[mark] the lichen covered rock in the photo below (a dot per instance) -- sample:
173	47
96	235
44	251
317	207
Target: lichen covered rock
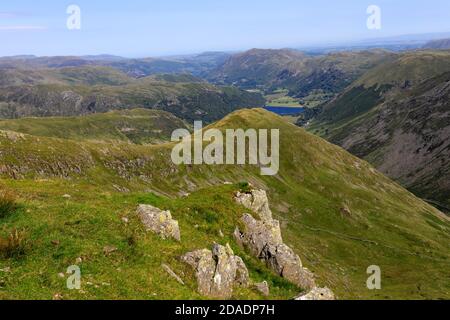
217	271
287	264
257	234
263	288
262	238
242	276
257	201
159	221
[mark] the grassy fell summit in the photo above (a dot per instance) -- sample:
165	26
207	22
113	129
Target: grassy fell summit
77	198
139	126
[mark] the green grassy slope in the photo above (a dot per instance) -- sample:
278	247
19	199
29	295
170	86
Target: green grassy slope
407	68
382	224
138	126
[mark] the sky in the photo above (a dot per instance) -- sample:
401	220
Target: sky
138	28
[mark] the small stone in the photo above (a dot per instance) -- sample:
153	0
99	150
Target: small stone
57	296
317	294
263	288
78	260
125	220
61	275
67	196
55	242
107	250
221	234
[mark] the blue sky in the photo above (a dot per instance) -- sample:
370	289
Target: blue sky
153	28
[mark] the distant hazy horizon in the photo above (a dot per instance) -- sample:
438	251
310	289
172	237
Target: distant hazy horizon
154	28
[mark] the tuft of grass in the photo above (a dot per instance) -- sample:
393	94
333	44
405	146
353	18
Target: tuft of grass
14	245
8	204
244	186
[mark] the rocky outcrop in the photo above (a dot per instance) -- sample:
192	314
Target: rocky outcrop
287	264
257	201
317	294
159	221
242	277
257	234
217	271
263	239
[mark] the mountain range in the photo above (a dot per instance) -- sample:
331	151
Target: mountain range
86	140
72	91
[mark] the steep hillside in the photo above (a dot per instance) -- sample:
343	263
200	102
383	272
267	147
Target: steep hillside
390	80
299	73
396	117
442	44
138	126
84	90
256	67
408	68
336	212
332	73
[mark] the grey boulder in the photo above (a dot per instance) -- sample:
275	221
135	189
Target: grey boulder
217	271
159	222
